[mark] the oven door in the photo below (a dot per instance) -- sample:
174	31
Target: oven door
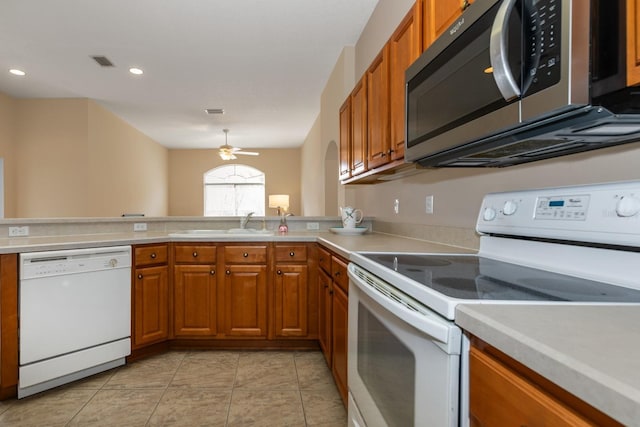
404	360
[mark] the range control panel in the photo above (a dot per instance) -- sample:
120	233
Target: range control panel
600	213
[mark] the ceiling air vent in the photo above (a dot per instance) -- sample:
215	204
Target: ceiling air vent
214	110
103	61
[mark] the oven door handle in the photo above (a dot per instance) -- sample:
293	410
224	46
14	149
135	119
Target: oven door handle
408	310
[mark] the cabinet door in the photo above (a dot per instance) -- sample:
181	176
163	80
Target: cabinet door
291	301
325	290
633	42
345	139
151	307
501	397
8	325
437	16
195	301
359	128
340	337
378	145
404	48
245	300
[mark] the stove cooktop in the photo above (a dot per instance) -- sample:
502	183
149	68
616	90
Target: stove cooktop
471	277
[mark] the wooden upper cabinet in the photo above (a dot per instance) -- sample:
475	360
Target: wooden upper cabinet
378	137
633	42
405	47
345	139
437	15
358	162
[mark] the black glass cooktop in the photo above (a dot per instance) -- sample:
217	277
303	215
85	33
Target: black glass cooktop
473	277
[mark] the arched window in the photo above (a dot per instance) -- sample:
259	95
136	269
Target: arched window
233	190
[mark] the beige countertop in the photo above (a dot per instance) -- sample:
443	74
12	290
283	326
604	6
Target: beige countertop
591	351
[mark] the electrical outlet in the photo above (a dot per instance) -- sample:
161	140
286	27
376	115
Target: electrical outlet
140	226
396	206
21	231
313	226
428	206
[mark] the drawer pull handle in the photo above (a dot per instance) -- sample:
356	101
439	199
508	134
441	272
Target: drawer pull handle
292	253
228	272
212	272
279	272
245	254
153	255
139	276
195	254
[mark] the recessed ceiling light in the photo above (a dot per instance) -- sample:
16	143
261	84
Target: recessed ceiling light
17	72
214	110
136	71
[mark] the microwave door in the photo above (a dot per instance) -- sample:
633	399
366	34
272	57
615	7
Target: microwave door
556	55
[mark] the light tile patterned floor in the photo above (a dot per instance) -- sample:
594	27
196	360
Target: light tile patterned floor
207	388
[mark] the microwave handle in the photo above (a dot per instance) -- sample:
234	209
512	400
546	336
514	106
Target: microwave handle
498	52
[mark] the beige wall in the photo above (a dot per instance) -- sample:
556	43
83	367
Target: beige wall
187	167
7	152
73	158
312	183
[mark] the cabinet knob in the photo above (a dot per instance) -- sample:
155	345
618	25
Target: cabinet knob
195	254
465	4
279	272
337	273
139	276
292	253
330	292
321	259
245	254
153	255
212	272
228	272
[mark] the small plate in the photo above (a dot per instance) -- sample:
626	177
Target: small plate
349	231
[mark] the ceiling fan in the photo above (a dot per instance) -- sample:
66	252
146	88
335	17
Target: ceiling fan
228	152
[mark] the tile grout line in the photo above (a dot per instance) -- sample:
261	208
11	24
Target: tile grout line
233	387
184	356
295	367
113	371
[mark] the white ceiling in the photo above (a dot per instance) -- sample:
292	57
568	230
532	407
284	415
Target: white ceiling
265	62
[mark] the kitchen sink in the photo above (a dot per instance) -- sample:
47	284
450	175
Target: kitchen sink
222	233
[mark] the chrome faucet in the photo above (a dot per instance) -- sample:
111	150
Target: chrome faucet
245	220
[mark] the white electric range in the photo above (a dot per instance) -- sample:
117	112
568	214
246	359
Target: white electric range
407	358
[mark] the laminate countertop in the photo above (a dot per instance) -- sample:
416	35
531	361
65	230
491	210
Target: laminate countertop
591	351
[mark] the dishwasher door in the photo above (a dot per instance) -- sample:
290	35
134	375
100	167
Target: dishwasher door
75	311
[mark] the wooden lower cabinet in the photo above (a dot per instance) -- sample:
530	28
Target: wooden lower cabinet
9	325
325	304
340	340
506	393
150	306
291	301
245	301
195	301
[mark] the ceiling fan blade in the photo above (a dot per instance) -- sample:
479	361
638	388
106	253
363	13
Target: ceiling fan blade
247	153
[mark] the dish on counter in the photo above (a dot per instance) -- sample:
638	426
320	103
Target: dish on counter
349	231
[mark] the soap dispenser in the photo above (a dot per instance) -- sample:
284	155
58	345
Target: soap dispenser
283	228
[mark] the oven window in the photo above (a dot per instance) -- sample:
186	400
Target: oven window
387	368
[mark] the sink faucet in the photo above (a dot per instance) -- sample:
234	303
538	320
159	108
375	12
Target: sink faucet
245	220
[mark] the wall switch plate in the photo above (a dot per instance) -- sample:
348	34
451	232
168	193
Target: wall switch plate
313	226
428	206
140	226
20	231
396	206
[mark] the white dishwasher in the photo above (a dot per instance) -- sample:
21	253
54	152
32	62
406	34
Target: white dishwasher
75	315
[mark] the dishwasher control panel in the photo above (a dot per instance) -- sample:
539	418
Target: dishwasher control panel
55	263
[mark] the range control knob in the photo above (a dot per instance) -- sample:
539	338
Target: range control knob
489	214
510	207
628	206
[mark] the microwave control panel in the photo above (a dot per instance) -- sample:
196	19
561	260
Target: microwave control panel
542	46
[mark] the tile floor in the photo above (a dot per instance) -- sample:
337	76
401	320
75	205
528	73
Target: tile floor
207	388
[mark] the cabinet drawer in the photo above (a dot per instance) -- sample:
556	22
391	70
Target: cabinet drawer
245	254
150	255
324	259
296	253
195	254
339	273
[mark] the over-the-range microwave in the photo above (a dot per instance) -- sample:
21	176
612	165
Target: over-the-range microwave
513	81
